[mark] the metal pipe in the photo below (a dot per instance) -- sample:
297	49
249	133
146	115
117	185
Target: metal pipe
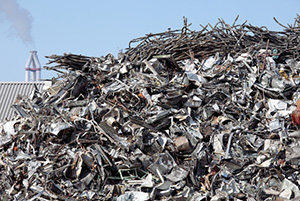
38	66
27	74
33	77
27	68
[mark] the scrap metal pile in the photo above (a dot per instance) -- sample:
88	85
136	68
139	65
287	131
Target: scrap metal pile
183	115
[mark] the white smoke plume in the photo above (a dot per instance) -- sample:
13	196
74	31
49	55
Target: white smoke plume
20	18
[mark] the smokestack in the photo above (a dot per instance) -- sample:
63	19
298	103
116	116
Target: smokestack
33	68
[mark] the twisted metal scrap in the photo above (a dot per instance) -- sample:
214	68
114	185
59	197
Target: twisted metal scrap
222	38
66	61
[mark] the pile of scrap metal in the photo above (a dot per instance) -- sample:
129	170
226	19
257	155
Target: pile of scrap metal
208	115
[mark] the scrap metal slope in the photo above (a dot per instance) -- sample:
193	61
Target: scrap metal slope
9	92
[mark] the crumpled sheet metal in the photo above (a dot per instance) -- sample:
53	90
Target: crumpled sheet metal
202	125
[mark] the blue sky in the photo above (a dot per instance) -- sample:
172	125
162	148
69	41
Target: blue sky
96	27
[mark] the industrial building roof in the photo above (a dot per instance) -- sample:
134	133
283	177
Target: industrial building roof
9	92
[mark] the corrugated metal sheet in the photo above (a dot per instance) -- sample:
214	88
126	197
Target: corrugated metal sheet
9	92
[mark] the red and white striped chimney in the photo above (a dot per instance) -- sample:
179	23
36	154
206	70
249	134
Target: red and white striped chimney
33	68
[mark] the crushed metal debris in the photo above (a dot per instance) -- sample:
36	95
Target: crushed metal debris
183	115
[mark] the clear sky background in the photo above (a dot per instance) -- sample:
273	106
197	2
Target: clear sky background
96	27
